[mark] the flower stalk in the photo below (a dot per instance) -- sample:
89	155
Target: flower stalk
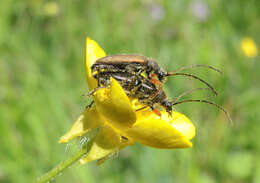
62	166
56	171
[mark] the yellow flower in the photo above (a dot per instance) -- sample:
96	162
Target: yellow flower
249	47
51	9
115	114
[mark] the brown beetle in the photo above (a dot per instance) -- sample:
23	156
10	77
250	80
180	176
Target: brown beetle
146	92
136	74
138	65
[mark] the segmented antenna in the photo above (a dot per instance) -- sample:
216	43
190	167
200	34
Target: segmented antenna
188	92
208	102
195	77
197	65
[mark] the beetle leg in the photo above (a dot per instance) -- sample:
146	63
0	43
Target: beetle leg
141	108
149	104
157	112
92	92
89	105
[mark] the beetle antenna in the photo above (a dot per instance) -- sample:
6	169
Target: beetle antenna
208	102
198	65
188	92
195	77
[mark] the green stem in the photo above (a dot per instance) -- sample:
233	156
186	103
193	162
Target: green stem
63	165
74	158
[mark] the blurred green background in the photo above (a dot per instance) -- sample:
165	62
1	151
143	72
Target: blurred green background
42	78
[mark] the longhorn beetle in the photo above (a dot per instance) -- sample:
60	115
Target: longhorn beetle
139	87
136	73
139	64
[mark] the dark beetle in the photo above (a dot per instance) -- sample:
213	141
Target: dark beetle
135	74
129	63
146	92
141	65
139	87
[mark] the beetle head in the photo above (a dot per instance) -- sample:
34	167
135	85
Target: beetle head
154	67
161	75
168	106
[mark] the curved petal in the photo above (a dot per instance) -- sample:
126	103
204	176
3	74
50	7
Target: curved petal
183	125
88	120
162	132
107	142
115	106
92	52
112	102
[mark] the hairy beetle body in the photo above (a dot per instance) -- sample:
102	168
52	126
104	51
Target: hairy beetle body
137	87
142	78
134	64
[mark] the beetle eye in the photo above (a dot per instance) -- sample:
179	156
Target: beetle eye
160	76
168	104
169	107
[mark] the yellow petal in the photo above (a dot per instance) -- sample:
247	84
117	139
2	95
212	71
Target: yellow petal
183	125
107	142
162	132
115	106
51	8
88	120
92	52
249	47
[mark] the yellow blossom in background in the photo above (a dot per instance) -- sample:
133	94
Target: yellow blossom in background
120	125
51	8
249	47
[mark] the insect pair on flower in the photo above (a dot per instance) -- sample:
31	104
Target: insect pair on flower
123	88
142	78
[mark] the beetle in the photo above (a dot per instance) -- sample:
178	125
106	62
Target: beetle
147	93
136	86
137	64
136	73
141	65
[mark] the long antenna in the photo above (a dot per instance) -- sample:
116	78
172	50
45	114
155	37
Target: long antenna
208	102
198	65
195	77
188	92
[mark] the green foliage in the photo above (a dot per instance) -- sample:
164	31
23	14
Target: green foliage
42	79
